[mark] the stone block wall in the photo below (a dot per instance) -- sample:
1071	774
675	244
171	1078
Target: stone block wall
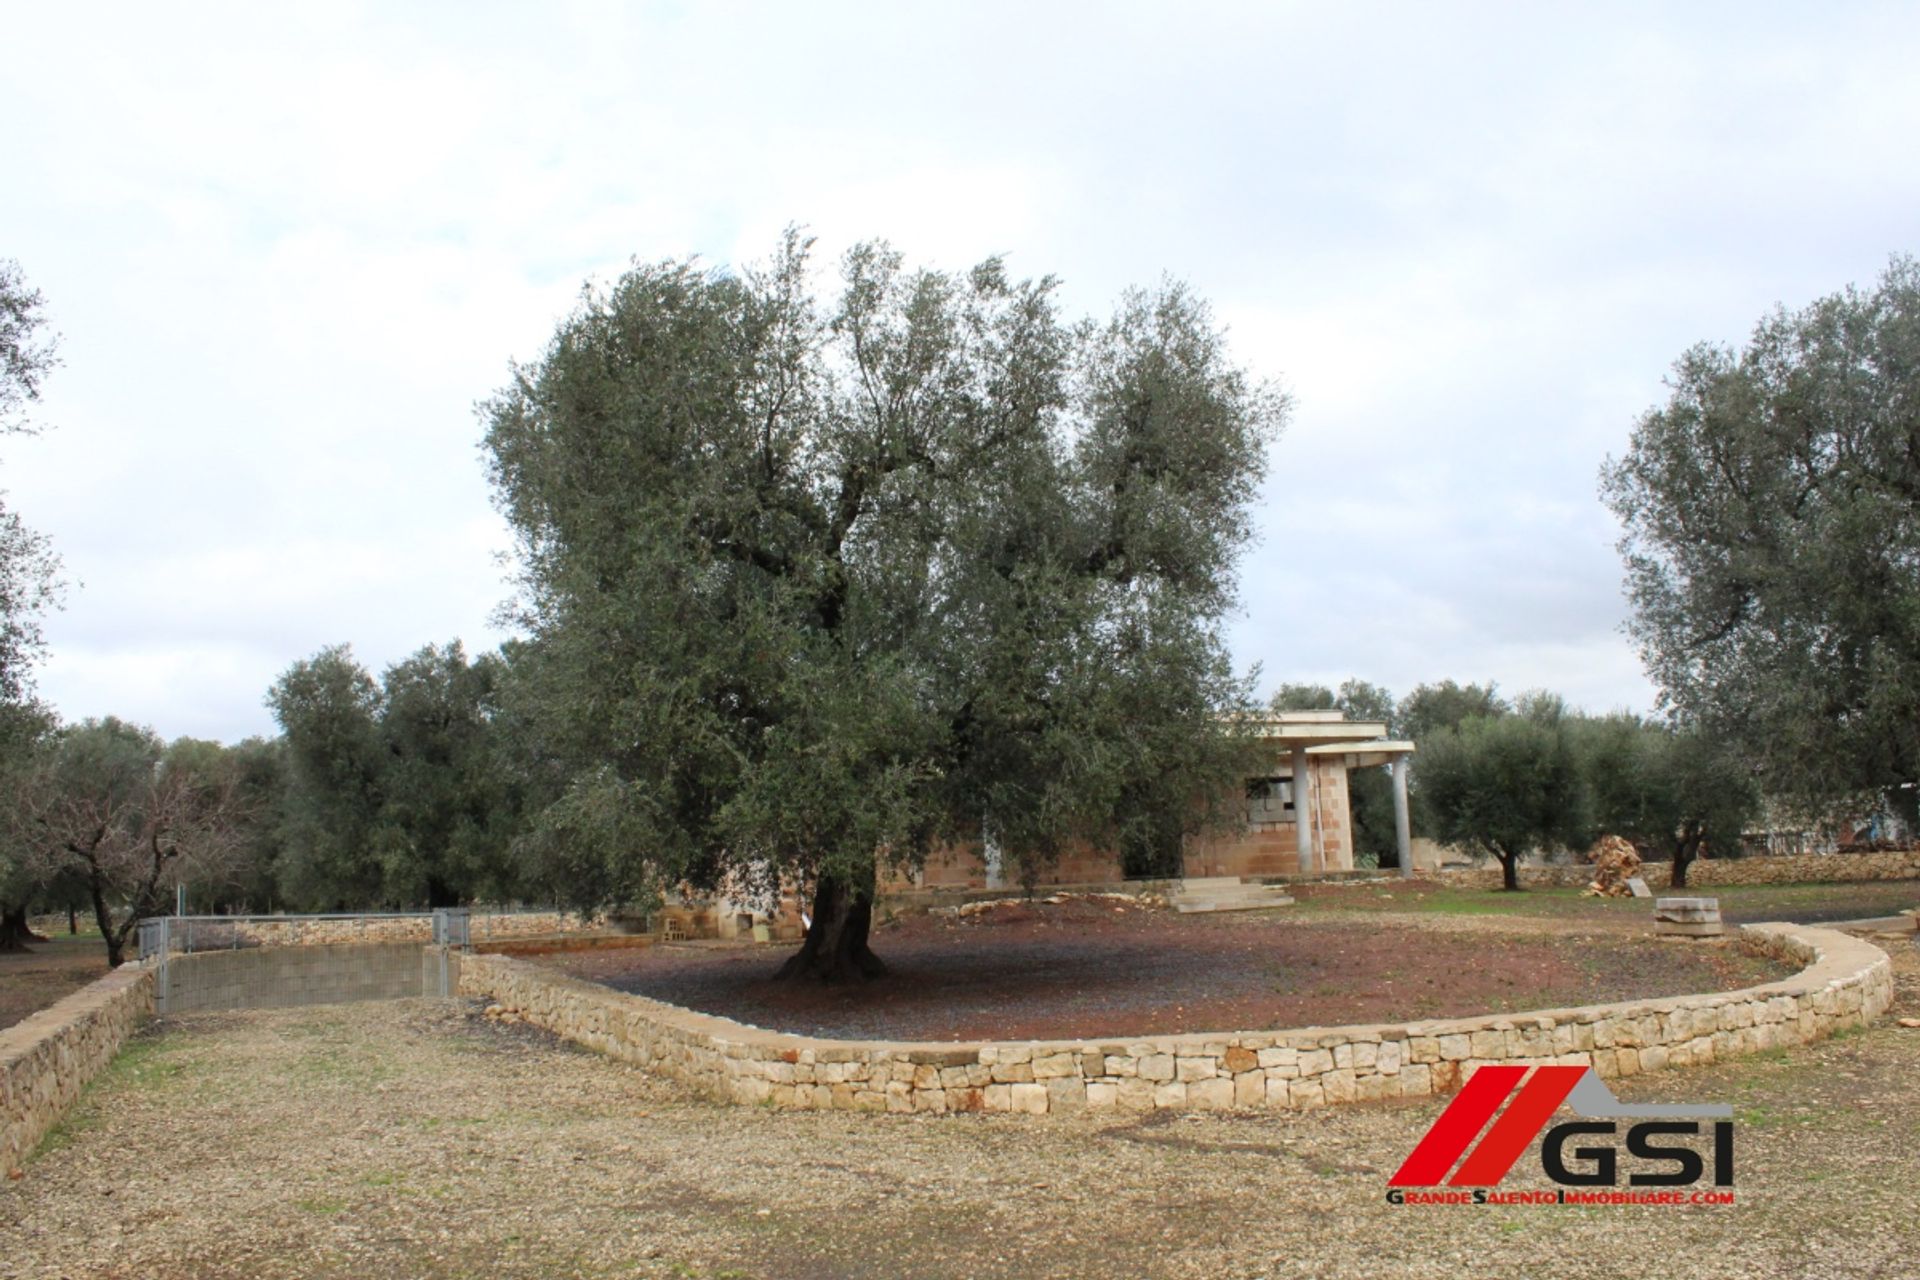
48	1058
1846	982
1708	873
213	932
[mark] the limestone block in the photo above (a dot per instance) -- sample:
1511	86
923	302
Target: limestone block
1066	1094
1212	1094
1157	1066
1054	1066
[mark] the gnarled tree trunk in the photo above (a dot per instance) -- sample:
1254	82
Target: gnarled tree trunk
14	933
1684	852
836	947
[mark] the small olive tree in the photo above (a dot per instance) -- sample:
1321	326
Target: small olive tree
1503	785
112	803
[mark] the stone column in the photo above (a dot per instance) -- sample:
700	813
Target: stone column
1302	811
1402	826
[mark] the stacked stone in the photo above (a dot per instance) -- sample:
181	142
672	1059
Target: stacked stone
1687	918
308	931
1712	872
48	1057
1847	983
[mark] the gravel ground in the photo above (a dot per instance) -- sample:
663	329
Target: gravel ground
414	1138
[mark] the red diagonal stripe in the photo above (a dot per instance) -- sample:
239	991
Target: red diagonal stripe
1518	1125
1470	1109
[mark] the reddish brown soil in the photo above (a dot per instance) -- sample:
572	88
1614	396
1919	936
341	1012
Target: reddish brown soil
31	980
1089	969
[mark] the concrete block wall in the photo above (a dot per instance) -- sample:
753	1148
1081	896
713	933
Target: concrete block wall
1845	982
48	1058
277	977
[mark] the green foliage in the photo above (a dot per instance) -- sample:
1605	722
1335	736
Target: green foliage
817	582
1503	785
27	352
1433	708
1771	511
396	792
1302	697
327	707
1678	792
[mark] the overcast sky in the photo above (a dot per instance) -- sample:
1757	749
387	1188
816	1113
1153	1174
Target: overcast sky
289	248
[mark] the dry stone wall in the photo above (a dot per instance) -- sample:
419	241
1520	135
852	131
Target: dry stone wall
48	1058
1708	873
211	933
1846	982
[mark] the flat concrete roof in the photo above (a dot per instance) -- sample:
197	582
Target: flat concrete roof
1364	754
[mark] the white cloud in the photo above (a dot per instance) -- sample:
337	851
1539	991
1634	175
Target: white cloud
289	249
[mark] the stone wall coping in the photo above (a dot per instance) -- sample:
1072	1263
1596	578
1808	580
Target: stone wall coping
24	1036
48	1057
1834	958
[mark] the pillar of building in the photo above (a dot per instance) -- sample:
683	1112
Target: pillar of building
1402	826
1302	811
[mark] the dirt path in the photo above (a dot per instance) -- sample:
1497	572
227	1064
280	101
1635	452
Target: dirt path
416	1139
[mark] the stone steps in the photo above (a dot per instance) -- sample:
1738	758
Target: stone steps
1226	893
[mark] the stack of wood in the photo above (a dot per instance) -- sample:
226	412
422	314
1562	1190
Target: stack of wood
1614	863
1687	917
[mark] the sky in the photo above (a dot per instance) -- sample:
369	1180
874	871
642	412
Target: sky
288	248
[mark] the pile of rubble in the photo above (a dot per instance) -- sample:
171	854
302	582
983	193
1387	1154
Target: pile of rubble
1615	862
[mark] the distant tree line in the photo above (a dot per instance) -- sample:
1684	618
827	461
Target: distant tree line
1505	778
812	584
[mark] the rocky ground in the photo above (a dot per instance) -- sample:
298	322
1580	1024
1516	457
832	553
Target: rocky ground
1094	967
417	1138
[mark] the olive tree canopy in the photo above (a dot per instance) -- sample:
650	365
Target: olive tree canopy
1772	540
815	584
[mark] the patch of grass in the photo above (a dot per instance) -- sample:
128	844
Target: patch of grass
324	1205
145	1063
342	1064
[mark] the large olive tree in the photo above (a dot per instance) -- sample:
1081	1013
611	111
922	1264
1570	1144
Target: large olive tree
816	583
1772	539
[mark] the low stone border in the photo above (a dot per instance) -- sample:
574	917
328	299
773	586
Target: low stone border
1846	982
47	1058
1708	873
